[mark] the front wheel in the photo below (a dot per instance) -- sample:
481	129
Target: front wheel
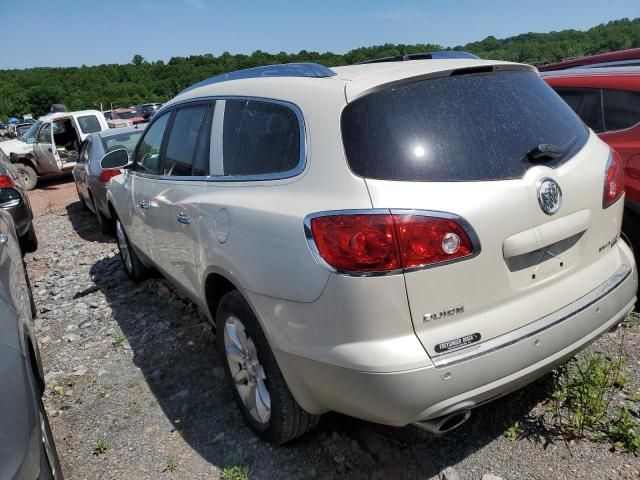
258	386
135	269
28	175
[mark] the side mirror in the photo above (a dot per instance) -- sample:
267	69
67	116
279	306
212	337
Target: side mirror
116	159
31	140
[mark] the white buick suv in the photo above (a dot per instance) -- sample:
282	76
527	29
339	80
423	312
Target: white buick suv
399	241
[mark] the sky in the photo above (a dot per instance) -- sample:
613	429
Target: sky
92	32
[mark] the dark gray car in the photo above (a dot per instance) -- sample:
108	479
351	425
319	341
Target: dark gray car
27	450
14	199
91	180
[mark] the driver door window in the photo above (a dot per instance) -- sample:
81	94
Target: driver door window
44	135
147	157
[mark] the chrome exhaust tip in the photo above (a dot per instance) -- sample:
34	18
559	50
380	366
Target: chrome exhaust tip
446	423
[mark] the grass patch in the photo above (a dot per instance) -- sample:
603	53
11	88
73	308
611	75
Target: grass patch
119	340
513	431
101	447
171	466
237	472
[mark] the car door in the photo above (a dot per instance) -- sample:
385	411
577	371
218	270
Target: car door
140	185
45	152
185	161
80	171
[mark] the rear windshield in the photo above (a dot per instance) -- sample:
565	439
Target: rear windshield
460	128
126	140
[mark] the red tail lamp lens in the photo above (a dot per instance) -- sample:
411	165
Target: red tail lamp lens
614	180
6	182
385	242
108	174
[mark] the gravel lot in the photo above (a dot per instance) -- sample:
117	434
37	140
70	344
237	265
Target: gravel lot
135	388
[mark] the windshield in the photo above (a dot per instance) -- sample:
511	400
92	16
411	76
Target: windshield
469	127
124	115
31	133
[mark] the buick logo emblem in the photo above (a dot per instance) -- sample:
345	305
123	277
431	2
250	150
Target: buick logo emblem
549	196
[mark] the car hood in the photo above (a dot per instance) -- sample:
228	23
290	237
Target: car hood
15	146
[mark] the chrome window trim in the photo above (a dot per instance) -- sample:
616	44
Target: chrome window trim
475	241
294	172
551	320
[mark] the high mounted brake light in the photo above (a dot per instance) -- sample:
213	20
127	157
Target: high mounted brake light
376	242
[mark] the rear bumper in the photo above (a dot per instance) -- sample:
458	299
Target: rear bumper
468	377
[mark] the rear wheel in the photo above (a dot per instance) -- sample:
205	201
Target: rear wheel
49	462
254	376
28	175
105	224
29	241
135	269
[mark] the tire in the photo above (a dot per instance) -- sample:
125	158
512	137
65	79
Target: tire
240	334
29	241
105	224
50	468
28	175
136	271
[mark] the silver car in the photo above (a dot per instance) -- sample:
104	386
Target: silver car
91	179
399	241
27	449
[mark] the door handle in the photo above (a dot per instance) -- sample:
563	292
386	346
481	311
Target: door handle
184	219
144	204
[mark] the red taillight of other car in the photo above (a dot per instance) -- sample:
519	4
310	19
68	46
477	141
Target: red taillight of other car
381	242
108	174
6	182
613	180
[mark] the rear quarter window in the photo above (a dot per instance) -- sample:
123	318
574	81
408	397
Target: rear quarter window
459	128
89	124
621	109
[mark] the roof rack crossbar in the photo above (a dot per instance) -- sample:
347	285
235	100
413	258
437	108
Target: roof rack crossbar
308	70
440	55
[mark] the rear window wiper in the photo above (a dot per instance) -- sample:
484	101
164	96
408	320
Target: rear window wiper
549	150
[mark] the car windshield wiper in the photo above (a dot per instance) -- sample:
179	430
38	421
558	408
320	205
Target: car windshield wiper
549	150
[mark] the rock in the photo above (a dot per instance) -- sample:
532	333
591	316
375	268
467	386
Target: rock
51	376
44	340
449	473
79	371
489	476
71	337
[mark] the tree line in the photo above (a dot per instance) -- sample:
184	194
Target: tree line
34	90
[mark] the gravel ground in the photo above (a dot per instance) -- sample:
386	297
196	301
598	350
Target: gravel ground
136	390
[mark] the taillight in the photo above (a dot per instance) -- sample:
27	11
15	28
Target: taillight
6	182
107	174
384	242
613	180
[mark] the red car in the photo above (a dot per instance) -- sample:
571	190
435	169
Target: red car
127	114
626	58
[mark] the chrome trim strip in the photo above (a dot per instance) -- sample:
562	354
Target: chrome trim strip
384	211
532	329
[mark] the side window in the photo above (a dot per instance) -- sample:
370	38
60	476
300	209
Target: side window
44	135
89	124
147	158
259	138
182	141
621	109
82	156
586	102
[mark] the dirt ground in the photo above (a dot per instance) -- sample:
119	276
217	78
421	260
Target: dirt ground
135	388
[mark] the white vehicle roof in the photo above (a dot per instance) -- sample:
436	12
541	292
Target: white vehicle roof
79	113
351	81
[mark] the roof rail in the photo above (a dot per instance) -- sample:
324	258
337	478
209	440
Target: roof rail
440	55
309	70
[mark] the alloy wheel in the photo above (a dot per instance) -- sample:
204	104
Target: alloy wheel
123	246
247	372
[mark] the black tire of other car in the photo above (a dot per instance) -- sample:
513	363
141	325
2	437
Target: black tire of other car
29	241
50	468
105	224
133	266
288	420
28	174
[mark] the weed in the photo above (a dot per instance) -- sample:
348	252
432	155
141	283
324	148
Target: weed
513	431
172	465
57	390
101	447
237	472
583	390
119	340
624	432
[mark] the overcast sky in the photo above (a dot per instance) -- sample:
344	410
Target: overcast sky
76	32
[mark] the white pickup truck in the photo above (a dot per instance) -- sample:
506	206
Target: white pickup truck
51	145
